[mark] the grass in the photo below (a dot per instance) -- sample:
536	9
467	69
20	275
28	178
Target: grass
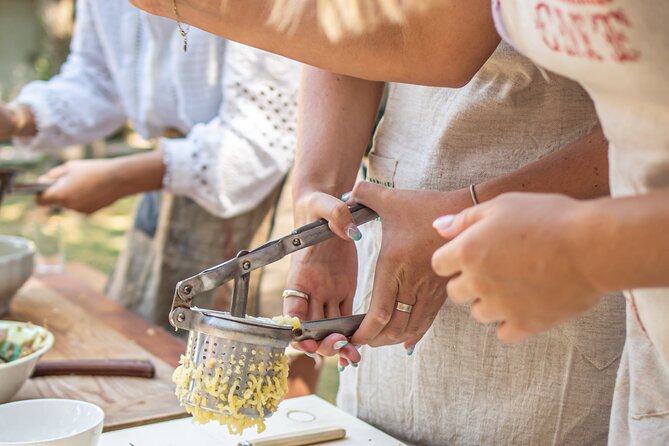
94	240
329	381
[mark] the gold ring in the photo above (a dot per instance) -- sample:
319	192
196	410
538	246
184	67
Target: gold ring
295	293
404	308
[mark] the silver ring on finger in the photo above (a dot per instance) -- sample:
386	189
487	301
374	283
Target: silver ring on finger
295	293
404	308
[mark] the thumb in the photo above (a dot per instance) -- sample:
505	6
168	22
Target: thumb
450	226
53	195
372	195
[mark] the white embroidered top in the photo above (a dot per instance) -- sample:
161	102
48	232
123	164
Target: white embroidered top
236	104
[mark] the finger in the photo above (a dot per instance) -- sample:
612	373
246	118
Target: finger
53	195
421	320
309	346
450	226
394	332
382	306
445	261
346	307
295	306
298	307
372	195
339	218
484	312
460	290
338	344
56	172
332	310
510	333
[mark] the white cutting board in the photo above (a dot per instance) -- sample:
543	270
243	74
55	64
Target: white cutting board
293	415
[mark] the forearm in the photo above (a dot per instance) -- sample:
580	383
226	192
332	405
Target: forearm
580	170
139	173
335	121
443	47
622	243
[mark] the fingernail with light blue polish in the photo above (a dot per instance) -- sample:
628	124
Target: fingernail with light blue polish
341	368
345	197
339	345
410	350
353	232
311	355
351	363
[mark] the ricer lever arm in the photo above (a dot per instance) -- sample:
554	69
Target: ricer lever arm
270	252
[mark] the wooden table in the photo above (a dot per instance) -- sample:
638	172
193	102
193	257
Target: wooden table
87	325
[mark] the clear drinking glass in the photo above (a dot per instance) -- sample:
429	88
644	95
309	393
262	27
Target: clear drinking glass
46	231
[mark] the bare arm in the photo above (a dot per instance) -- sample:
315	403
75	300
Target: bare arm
89	185
445	46
579	170
335	122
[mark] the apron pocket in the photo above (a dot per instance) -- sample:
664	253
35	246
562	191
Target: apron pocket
382	170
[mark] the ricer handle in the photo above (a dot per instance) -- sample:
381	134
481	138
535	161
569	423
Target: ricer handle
322	328
273	251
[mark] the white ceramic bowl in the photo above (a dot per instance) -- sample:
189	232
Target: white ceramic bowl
14	374
16	265
50	422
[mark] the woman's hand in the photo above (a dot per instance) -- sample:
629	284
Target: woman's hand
521	259
7	122
403	273
83	185
327	272
16	121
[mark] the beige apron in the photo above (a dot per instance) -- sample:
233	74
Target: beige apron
617	49
462	386
187	240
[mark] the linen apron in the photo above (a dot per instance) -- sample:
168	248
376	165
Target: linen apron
462	386
619	51
173	238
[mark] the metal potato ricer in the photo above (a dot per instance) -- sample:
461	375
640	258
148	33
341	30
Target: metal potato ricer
233	360
9	185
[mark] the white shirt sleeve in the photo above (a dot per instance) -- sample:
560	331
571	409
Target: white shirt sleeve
230	164
81	103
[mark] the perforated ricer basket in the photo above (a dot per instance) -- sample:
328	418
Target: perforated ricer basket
235	368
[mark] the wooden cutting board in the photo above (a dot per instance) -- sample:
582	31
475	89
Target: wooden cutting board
81	333
294	415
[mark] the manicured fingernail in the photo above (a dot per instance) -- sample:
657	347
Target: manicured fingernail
345	197
357	346
353	232
410	350
311	355
443	222
340	344
341	368
351	363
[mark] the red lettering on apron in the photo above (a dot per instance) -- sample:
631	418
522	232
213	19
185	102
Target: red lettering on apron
615	36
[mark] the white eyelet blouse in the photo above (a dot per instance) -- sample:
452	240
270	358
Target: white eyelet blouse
236	104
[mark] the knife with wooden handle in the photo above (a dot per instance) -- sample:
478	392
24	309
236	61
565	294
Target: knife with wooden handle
96	367
303	438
